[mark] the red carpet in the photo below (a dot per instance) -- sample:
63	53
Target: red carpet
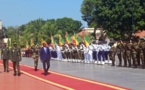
68	82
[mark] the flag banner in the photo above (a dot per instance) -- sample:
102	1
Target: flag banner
86	40
75	40
27	45
61	40
68	38
43	41
32	42
53	42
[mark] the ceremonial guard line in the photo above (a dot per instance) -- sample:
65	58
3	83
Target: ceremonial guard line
128	53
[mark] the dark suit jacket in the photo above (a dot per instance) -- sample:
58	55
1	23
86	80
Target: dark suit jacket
45	55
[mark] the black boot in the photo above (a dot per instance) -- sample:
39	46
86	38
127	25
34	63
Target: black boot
35	68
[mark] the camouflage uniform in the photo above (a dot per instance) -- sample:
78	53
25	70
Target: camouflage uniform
128	53
134	54
124	54
141	49
5	55
112	55
35	56
119	53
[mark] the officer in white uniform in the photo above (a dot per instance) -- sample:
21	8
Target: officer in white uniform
59	53
86	55
91	48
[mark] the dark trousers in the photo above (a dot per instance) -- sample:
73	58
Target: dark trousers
95	55
6	65
106	53
16	66
101	56
46	65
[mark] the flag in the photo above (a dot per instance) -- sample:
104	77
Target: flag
27	45
31	42
43	41
86	40
75	40
53	42
67	38
61	40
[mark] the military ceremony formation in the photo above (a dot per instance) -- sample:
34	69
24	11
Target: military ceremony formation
130	53
67	45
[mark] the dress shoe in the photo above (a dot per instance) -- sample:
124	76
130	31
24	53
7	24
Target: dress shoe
46	73
19	74
14	74
4	70
35	68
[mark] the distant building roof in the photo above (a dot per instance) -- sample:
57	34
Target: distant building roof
140	33
82	33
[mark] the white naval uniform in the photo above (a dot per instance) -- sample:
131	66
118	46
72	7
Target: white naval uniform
90	52
86	50
59	53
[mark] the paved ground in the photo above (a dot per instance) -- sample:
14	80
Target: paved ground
23	82
121	76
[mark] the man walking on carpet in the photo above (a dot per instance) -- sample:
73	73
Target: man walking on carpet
16	58
5	55
45	57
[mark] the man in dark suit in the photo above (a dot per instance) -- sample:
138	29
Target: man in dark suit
16	58
45	57
5	54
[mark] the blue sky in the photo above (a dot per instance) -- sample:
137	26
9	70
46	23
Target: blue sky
18	12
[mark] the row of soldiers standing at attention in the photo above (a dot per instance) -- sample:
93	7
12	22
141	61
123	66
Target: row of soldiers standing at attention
132	52
129	53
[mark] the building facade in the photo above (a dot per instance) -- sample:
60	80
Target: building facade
1	34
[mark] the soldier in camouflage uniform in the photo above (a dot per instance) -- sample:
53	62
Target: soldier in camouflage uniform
144	51
128	53
112	53
141	49
134	54
35	56
124	53
5	55
16	58
119	53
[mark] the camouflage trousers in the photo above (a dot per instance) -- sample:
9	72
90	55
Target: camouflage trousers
128	58
134	58
142	59
35	57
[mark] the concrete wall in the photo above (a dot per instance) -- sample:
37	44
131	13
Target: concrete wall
1	39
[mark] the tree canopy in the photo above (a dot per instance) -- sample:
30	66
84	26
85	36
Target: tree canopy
43	29
117	17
